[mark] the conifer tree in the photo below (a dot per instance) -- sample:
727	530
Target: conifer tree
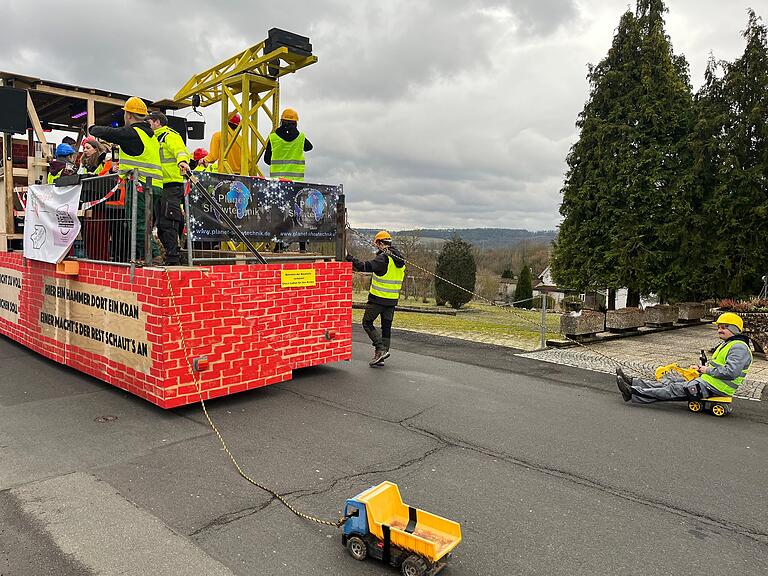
456	263
740	202
524	288
627	190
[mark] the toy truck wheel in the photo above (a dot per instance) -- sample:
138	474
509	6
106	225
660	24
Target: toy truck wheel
694	406
719	409
357	548
413	566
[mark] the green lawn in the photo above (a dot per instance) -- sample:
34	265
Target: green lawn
475	321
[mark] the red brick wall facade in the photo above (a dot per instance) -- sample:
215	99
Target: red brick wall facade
253	331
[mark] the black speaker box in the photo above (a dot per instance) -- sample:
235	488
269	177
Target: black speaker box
180	125
13	110
294	42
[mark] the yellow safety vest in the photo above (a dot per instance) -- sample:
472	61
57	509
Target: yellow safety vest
388	286
719	357
172	151
148	163
287	157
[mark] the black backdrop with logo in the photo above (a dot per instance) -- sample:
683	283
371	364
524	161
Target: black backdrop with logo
264	210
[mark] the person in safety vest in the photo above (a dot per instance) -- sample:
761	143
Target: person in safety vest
388	269
64	164
233	156
174	159
139	150
285	149
721	376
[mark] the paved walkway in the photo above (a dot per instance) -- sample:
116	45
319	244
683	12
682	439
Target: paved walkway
641	355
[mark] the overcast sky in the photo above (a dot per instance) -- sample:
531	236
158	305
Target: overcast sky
432	113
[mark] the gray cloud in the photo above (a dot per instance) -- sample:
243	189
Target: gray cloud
432	113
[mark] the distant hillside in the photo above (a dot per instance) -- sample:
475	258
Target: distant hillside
480	237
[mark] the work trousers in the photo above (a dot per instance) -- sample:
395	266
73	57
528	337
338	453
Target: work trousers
672	387
169	220
380	340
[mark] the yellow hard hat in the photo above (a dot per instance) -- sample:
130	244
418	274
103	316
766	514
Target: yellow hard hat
383	235
290	114
730	318
135	105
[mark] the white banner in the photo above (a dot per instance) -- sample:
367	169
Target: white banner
50	222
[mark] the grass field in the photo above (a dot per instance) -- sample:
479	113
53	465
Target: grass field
479	322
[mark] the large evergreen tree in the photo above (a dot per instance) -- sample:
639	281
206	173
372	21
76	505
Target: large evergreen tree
700	247
627	191
455	263
739	208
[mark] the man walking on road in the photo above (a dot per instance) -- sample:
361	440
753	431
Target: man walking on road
722	375
388	269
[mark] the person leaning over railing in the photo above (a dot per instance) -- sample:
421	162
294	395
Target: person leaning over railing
139	150
95	162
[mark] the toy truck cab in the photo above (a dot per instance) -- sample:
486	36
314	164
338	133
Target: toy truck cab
380	525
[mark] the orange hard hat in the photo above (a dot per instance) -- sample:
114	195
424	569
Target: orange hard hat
290	114
235	119
383	236
135	105
199	154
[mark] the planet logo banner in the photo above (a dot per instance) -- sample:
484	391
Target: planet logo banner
51	224
264	210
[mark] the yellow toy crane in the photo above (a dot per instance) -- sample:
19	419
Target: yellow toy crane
249	83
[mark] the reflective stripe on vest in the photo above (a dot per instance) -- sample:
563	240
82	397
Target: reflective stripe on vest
388	286
148	163
287	157
719	358
172	151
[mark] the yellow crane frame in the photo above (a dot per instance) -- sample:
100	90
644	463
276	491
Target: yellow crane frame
245	83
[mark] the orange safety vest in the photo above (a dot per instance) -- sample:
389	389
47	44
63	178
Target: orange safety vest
119	200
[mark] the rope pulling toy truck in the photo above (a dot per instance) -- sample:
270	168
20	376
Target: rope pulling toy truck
717	405
380	525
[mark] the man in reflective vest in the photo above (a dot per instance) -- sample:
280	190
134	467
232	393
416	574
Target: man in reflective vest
388	271
139	150
721	376
174	160
285	148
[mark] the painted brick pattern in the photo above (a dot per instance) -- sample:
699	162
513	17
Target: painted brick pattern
253	331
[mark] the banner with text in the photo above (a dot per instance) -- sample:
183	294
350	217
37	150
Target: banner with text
102	320
10	287
264	210
50	223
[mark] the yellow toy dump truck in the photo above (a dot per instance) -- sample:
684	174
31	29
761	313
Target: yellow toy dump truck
380	525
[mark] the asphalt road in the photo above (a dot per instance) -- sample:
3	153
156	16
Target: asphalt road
544	466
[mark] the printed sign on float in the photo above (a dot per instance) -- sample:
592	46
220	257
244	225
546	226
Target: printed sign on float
10	287
295	278
50	221
264	210
102	320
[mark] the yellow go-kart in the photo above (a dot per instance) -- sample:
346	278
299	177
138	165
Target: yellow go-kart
717	405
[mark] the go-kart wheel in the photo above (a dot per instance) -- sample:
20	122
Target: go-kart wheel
413	566
719	409
357	548
694	406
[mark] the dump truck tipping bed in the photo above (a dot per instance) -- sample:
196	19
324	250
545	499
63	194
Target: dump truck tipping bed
412	529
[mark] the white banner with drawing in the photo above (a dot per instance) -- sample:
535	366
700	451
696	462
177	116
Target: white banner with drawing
50	223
